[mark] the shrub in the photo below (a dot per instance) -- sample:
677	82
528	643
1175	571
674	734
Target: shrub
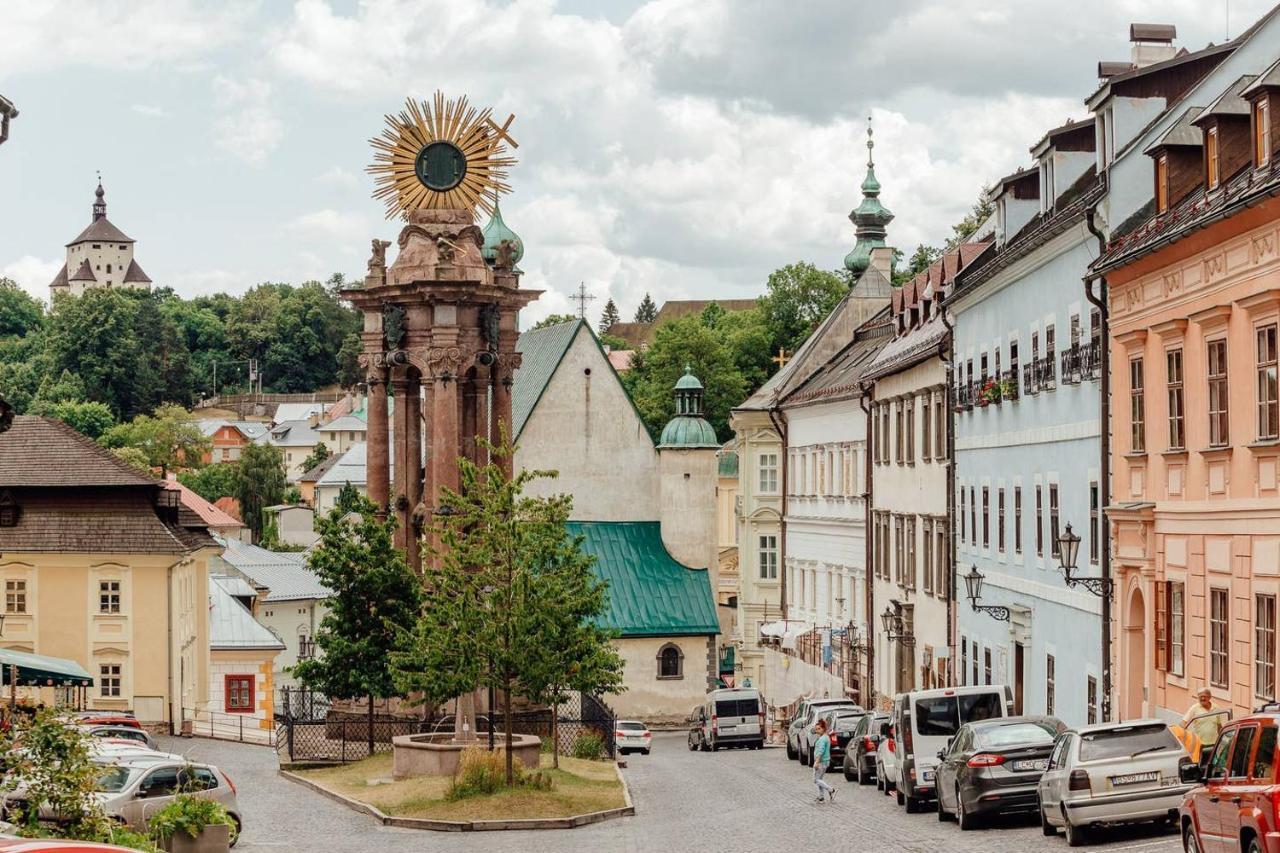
588	745
480	772
188	814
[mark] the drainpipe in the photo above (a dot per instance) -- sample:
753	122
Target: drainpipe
869	699
946	352
780	424
1099	300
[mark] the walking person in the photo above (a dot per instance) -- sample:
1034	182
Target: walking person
821	758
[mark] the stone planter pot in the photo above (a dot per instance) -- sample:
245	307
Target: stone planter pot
215	838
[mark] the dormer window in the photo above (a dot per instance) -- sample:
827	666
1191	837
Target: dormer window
1261	132
9	510
1162	183
1211	158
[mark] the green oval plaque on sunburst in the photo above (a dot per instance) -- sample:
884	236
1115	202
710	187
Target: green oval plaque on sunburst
441	166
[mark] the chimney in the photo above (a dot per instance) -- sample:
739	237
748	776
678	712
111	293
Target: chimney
1151	43
882	260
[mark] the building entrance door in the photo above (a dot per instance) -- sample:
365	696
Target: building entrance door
1019	676
1134	700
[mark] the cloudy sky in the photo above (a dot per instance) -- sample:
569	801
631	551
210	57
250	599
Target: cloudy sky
680	147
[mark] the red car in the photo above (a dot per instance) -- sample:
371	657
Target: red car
1236	807
108	718
9	844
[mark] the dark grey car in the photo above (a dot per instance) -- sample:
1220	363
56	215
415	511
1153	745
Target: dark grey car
860	752
993	766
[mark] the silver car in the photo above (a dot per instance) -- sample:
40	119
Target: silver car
800	734
141	736
1112	773
134	791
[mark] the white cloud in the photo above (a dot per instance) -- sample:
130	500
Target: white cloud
336	176
337	225
149	110
247	128
32	274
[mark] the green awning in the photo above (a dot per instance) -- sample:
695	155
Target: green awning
41	670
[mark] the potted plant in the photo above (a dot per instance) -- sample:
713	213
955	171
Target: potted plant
990	393
192	824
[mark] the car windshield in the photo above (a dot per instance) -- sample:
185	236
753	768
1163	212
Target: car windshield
1121	743
942	716
113	780
628	726
989	737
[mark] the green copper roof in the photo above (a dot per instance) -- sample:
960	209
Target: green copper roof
870	219
688	431
650	594
494	233
688	380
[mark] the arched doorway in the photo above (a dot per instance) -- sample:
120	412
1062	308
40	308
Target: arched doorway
1135	656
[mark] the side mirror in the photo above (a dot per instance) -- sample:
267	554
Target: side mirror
942	755
1189	772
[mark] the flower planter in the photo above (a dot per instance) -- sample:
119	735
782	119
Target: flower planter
214	838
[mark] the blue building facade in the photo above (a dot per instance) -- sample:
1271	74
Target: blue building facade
1026	373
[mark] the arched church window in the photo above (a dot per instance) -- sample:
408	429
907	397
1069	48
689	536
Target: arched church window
670	661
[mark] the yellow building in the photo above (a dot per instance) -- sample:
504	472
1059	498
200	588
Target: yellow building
103	565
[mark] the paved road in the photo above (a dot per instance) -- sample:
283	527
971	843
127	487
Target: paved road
734	801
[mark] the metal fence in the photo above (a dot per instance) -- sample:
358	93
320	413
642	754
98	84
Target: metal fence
245	728
308	730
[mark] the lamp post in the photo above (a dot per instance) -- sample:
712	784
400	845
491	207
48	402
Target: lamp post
973	587
891	620
1068	551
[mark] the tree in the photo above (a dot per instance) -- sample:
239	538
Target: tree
134	458
798	297
260	484
91	419
966	227
646	312
613	342
920	260
348	499
19	312
350	373
677	344
374	594
555	320
319	453
211	482
609	316
170	439
511	599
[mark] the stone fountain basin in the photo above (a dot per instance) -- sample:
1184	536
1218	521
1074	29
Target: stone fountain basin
439	754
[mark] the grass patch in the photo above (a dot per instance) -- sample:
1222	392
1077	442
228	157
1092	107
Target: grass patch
578	787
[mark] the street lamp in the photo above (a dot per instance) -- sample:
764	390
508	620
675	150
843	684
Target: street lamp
1068	551
891	619
973	587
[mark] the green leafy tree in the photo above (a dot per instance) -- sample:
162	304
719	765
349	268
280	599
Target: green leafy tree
319	453
746	336
348	499
260	484
508	593
967	226
646	311
654	372
91	419
350	373
219	480
609	316
919	261
292	495
170	439
94	337
555	320
613	342
19	312
798	297
374	594
62	388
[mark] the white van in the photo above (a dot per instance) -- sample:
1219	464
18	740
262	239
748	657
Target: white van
925	721
734	716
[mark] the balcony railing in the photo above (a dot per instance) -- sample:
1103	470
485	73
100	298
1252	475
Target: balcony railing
1030	379
1010	378
1091	359
1071	365
1046	373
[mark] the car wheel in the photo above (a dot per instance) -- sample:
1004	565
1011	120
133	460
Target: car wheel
879	778
235	830
791	753
1254	846
943	814
692	746
1189	842
1076	836
715	745
644	751
1046	827
702	744
848	774
902	801
963	818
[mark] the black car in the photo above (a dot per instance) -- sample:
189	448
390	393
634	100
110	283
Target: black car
840	725
993	766
860	750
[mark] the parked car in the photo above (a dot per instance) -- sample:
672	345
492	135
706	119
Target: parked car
698	729
887	759
800	734
632	736
841	723
1113	773
14	844
1237	805
108	718
924	721
993	767
131	793
860	752
122	733
735	716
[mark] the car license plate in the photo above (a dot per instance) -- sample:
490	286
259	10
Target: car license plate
928	775
1134	778
1031	764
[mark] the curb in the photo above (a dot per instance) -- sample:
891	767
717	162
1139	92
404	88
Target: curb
571	822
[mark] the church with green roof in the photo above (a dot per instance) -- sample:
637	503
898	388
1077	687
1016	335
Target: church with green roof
646	511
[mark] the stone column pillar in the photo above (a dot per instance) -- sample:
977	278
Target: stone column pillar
401	507
412	467
377	451
501	415
444	433
471	393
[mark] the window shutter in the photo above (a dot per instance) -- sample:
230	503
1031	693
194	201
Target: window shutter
1162	626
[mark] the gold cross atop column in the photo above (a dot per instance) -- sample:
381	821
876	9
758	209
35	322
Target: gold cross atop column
781	358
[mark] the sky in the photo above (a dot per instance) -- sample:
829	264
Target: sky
682	148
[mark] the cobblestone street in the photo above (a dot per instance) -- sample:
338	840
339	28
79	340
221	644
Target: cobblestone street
726	802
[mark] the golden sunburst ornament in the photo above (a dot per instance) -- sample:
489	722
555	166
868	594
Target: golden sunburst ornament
443	154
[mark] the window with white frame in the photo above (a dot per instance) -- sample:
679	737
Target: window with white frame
109	596
109	680
768	473
15	596
768	556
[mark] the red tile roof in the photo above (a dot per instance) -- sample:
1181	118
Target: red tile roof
230	506
208	513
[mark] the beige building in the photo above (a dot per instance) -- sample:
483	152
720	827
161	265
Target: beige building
101	256
646	512
104	566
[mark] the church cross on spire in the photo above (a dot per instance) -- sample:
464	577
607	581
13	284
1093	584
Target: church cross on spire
582	298
99	201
